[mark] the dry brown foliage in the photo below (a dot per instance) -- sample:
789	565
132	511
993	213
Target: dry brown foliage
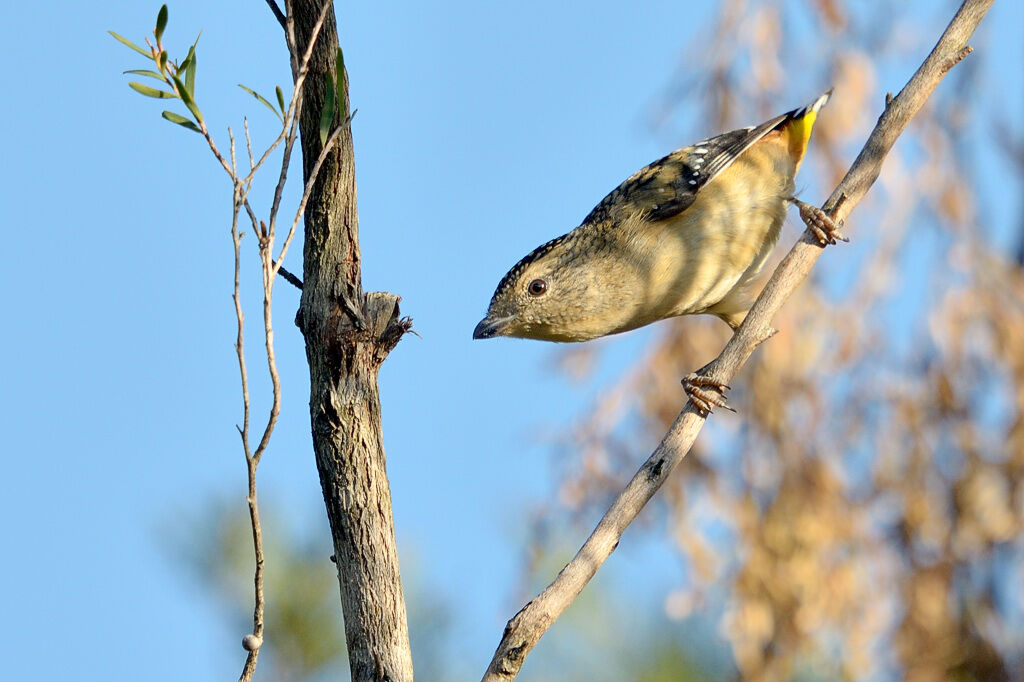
873	483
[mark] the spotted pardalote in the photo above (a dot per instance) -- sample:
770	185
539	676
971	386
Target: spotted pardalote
685	235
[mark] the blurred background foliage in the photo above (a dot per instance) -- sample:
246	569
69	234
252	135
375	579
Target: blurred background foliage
305	639
861	517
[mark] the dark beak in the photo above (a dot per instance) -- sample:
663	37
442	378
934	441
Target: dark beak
490	327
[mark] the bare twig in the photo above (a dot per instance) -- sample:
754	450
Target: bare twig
270	268
241	186
280	269
288	276
252	644
526	627
314	174
294	112
289	36
278	14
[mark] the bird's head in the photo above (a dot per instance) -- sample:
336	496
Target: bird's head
558	292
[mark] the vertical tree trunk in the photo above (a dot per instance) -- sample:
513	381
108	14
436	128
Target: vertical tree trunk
348	335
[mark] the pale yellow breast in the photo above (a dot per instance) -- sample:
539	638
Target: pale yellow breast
702	258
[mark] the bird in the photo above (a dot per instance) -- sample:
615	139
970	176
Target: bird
685	235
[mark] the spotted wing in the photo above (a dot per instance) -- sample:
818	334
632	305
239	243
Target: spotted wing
668	186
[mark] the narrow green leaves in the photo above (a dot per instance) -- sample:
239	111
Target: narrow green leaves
190	73
180	78
187	62
181	120
125	41
186	97
188	66
145	72
161	23
262	99
339	70
150	92
280	98
335	97
327	113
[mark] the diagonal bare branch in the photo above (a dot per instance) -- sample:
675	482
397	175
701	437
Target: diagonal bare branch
525	629
314	174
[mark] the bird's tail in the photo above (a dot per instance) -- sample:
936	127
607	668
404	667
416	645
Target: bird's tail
798	125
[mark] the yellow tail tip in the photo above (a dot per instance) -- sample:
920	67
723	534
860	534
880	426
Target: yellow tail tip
801	123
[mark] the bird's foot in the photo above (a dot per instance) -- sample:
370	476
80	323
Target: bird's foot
819	222
705	393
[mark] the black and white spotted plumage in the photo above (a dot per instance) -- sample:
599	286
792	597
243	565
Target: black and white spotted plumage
684	235
670	185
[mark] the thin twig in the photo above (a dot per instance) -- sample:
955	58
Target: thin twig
268	333
288	276
213	147
313	35
278	14
267	240
282	177
250	464
309	188
248	143
252	217
295	105
294	112
526	627
254	641
270	268
285	274
289	37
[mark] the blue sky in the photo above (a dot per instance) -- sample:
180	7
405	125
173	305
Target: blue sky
483	130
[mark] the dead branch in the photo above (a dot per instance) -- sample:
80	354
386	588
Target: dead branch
525	629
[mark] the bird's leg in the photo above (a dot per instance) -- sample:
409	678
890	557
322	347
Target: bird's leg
823	227
704	392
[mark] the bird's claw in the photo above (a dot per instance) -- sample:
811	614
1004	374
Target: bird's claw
824	228
705	393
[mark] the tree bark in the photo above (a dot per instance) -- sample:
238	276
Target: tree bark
348	335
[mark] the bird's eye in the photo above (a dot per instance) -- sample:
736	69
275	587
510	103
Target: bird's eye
537	287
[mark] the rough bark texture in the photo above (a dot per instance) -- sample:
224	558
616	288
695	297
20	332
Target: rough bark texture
525	628
348	335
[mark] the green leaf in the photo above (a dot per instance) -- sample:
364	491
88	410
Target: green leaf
150	92
280	97
125	41
190	66
186	97
161	61
327	114
190	74
260	97
181	120
145	72
188	60
339	69
161	22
